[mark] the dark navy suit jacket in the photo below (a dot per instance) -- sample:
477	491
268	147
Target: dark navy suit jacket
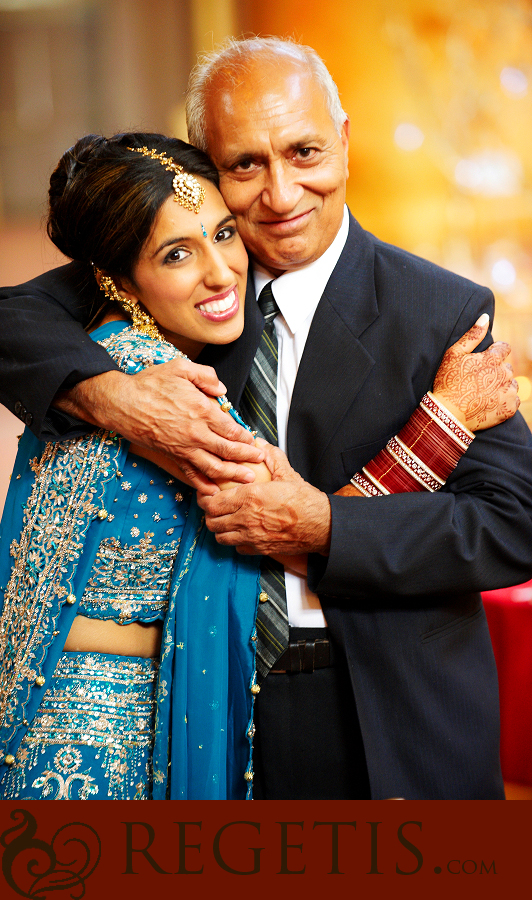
400	588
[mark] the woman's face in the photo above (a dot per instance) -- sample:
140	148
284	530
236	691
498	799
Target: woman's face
193	285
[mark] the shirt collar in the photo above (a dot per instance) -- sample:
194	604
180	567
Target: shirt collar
298	293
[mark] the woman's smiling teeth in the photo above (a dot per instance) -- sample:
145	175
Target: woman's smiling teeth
218	306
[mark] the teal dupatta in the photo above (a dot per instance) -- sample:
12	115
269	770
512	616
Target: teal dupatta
56	508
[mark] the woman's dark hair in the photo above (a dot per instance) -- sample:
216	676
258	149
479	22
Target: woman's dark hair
104	198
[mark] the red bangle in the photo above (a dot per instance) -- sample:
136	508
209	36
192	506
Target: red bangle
421	457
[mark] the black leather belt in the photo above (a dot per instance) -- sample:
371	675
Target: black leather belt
304	656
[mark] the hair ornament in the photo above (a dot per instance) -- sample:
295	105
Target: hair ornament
188	192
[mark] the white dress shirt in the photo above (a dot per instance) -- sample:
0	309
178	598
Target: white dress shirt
297	295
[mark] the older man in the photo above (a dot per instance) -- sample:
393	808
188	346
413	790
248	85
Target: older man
398	697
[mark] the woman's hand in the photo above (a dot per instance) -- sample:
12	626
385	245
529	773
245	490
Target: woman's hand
477	388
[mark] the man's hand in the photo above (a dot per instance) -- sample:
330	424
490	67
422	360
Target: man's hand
478	388
167	408
285	517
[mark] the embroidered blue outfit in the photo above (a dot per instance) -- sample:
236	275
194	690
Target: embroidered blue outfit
108	535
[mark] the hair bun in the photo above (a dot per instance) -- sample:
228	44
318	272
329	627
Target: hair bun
74	160
70	167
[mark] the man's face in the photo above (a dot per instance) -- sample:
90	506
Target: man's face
282	164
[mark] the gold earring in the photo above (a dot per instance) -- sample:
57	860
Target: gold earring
141	321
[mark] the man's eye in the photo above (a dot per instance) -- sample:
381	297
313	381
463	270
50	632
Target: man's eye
245	165
306	153
225	233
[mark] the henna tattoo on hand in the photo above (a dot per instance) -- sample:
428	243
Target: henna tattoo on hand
477	383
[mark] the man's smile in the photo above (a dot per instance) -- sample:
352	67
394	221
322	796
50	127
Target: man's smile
286	225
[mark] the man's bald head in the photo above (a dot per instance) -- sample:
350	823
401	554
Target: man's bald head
232	61
268	114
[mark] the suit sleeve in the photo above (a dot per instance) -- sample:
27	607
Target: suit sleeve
44	348
475	534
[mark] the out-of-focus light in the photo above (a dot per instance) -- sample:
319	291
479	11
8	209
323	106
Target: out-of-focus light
514	81
408	136
525	387
494	173
16	5
503	273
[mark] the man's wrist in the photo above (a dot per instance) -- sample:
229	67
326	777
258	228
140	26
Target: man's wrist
90	400
323	527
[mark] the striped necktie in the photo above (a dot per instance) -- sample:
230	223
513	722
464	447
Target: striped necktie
259	409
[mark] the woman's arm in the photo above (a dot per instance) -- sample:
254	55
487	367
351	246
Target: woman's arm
472	392
437	434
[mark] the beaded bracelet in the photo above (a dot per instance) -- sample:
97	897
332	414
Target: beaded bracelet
421	457
228	407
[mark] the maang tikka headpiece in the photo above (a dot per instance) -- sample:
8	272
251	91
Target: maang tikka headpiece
187	189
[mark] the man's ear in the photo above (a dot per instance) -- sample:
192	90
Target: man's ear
346	130
344	135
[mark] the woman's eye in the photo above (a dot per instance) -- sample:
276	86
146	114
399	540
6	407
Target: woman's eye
225	233
177	255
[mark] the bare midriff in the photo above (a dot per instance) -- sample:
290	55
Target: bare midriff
105	636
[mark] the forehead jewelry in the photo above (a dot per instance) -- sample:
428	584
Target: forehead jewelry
187	189
204	233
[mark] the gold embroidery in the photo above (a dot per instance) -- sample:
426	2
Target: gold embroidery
129	582
70	482
60	508
92	733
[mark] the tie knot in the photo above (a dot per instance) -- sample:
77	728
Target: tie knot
267	304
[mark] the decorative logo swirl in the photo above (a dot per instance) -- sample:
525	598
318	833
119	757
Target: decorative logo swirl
34	868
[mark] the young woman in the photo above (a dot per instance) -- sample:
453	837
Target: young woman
127	633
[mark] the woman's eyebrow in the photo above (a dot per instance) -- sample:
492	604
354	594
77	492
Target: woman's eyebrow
168	243
225	220
177	240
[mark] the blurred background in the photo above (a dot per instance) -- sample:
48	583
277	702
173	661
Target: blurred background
439	93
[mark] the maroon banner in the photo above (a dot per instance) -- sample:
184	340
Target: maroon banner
102	849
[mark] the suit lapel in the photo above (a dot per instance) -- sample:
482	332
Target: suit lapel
335	364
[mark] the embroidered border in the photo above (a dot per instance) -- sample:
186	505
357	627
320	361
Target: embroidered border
129	583
62	504
133	351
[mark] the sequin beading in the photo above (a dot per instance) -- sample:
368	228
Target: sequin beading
92	735
133	350
131	573
129	583
70	478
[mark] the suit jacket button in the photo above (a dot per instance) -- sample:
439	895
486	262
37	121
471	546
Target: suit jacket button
18	408
28	419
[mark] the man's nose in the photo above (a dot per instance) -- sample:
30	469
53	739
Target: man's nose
281	192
